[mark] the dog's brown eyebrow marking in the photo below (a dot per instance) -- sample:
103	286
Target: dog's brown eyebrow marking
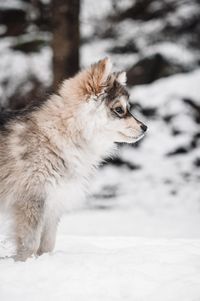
116	91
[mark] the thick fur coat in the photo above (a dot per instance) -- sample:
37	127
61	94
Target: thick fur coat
55	147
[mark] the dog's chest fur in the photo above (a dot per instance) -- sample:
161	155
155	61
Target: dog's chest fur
66	193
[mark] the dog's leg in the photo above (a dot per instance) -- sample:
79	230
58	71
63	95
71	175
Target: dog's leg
48	237
28	224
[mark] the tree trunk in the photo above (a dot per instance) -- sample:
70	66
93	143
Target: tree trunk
65	44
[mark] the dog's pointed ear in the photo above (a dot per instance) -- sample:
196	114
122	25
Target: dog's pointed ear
91	81
121	78
100	73
102	70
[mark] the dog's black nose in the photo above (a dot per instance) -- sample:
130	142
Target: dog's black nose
143	127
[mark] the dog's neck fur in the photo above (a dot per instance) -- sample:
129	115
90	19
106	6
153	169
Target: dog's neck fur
73	126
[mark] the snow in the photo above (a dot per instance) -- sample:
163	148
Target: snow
173	52
149	37
174	87
13	4
14	77
90	268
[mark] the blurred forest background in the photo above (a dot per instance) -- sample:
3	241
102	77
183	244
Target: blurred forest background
148	32
157	42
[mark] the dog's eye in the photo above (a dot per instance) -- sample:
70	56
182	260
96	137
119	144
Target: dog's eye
119	110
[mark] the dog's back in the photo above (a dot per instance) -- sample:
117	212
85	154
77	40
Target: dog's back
11	175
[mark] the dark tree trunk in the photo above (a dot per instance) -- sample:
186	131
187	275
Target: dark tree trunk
65	44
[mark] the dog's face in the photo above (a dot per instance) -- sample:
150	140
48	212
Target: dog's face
119	123
123	125
105	103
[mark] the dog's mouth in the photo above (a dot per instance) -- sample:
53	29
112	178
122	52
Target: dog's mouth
131	139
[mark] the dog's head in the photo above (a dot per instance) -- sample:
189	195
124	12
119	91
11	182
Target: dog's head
107	101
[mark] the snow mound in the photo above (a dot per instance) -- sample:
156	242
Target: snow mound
106	269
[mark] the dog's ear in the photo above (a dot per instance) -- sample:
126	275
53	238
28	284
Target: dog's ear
99	75
121	78
91	81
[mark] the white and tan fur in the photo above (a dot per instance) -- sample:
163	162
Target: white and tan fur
56	147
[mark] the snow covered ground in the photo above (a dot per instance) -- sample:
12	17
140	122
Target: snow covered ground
94	269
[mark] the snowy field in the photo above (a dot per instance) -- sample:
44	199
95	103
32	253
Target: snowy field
96	269
137	236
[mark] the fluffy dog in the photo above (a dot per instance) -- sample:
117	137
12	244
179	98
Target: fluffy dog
56	146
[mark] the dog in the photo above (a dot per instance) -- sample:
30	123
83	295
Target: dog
55	146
